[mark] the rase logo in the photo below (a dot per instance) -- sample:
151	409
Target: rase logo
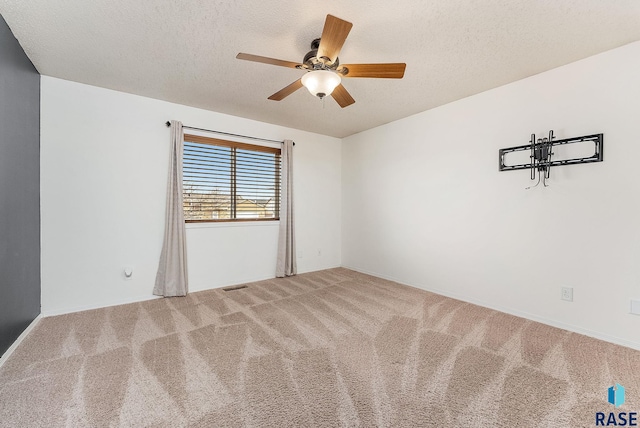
615	396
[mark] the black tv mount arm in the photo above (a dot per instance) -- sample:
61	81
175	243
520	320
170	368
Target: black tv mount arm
542	151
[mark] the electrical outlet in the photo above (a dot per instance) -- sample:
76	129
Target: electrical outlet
319	252
635	307
567	294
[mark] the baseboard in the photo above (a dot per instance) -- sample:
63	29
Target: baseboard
19	340
256	279
55	312
194	289
569	327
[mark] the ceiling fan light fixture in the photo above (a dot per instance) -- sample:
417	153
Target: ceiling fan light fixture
321	82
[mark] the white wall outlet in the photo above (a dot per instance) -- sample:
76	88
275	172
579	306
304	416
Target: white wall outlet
635	307
300	253
567	294
319	252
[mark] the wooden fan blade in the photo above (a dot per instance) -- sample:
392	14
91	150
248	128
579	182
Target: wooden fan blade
286	91
267	60
334	34
342	97
385	71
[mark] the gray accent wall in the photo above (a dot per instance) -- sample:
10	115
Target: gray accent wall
19	189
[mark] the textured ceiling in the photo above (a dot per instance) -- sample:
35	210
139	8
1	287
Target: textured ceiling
184	51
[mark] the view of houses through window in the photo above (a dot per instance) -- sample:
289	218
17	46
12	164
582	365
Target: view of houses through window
227	181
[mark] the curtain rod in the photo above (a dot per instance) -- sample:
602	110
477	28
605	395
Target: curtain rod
228	133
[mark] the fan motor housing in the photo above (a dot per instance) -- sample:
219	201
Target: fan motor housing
312	61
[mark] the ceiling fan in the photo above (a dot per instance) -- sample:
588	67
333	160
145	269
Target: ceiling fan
323	69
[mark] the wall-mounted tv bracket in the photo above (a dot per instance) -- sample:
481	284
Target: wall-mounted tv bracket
541	151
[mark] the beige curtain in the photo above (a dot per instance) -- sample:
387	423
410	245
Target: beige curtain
286	263
171	279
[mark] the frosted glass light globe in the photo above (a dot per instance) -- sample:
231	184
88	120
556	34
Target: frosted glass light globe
321	82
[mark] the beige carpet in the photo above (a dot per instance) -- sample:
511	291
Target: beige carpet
324	349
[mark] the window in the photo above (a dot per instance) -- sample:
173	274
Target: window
228	181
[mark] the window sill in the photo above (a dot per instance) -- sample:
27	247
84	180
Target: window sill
216	224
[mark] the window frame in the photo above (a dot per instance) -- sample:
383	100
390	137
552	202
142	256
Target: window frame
242	146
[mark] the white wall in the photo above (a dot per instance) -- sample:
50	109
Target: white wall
104	159
424	203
